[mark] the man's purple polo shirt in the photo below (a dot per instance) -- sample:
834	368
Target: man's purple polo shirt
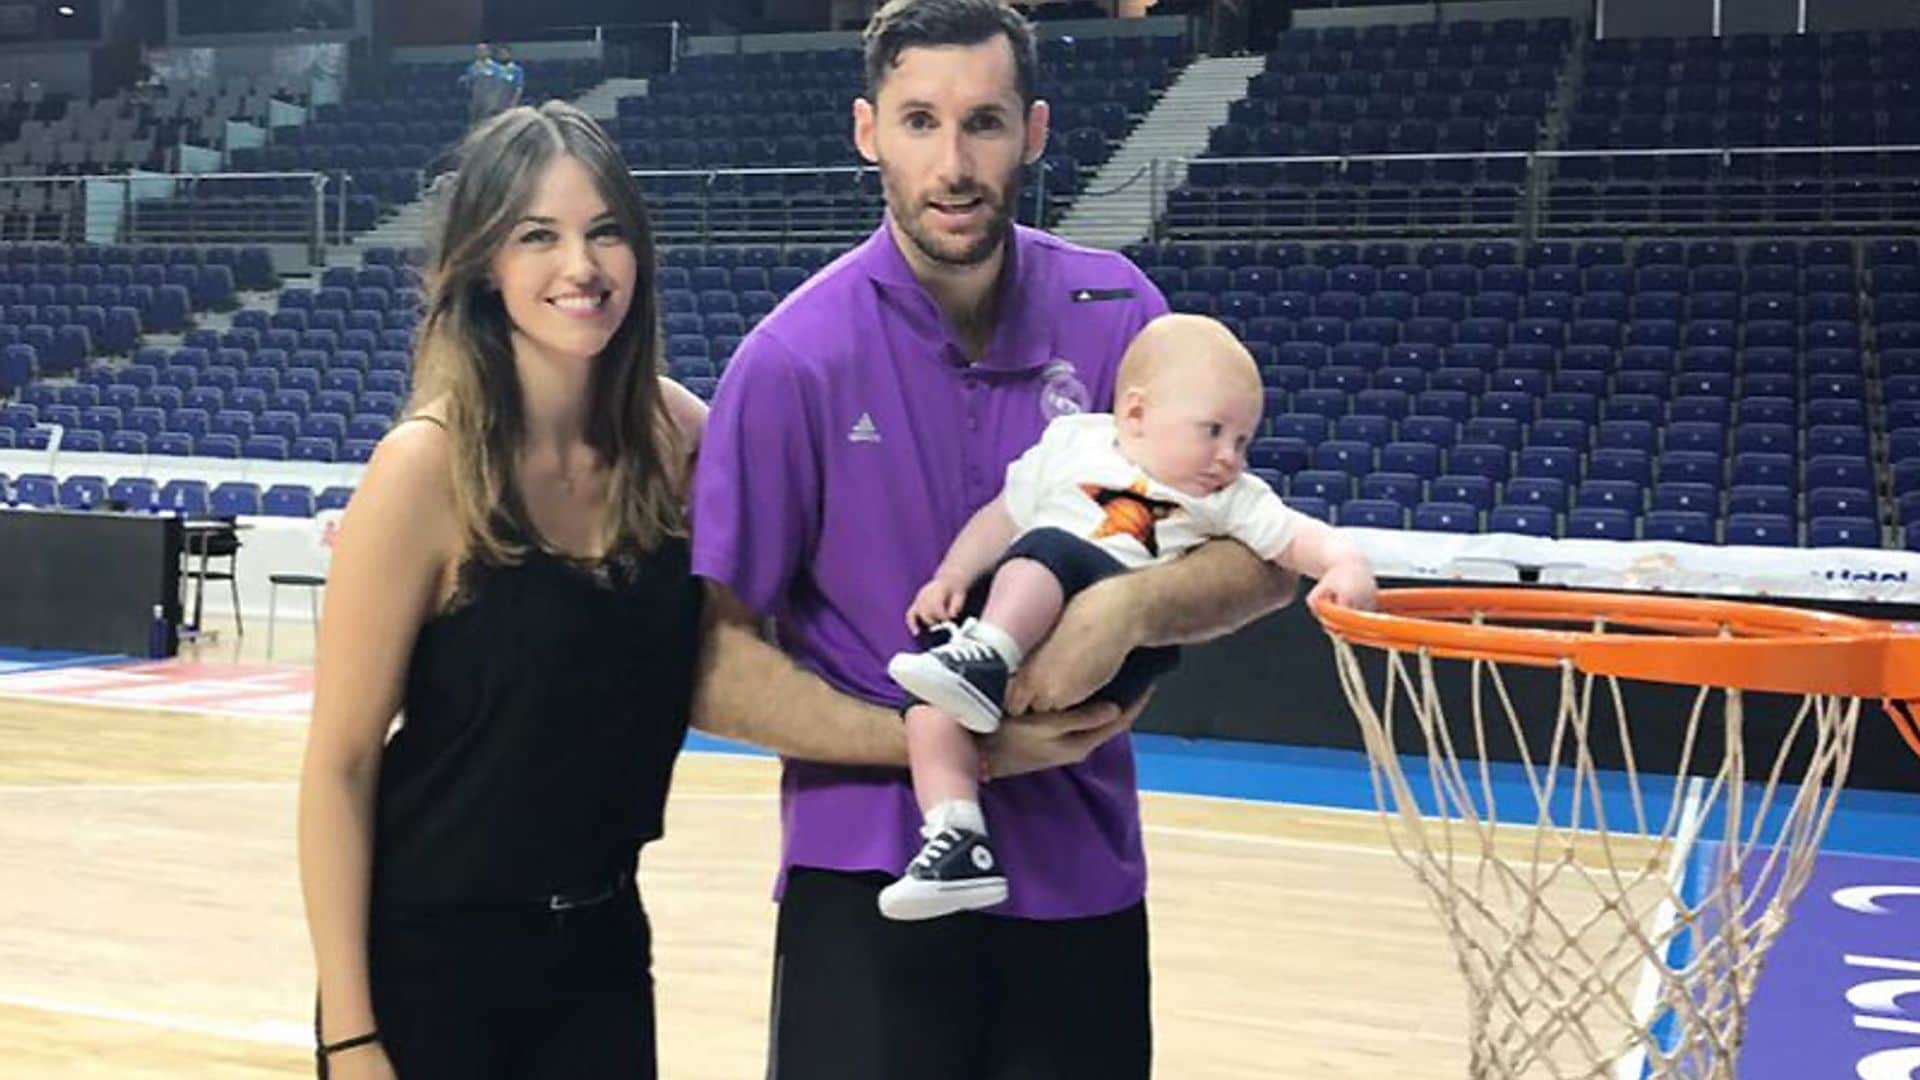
849	443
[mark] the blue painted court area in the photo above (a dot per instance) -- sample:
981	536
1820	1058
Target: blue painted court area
1840	994
1867	822
13	661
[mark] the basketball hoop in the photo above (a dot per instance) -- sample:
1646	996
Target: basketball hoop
1609	923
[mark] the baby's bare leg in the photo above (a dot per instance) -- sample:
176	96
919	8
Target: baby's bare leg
1025	603
946	766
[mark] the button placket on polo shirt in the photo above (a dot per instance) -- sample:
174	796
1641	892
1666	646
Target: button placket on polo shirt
974	451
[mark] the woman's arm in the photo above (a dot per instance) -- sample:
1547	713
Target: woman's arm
689	416
395	547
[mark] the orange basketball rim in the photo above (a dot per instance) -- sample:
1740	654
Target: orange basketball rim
1668	639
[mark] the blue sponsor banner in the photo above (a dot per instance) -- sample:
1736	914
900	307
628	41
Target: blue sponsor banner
1840	994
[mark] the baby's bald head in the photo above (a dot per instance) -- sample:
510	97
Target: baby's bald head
1188	403
1188	347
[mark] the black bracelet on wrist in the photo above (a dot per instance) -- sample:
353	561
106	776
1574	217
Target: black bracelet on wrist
325	1049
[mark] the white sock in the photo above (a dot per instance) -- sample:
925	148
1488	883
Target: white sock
999	641
957	814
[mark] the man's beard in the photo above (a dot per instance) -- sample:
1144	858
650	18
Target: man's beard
999	203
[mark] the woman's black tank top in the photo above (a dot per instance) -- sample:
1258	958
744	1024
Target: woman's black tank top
542	715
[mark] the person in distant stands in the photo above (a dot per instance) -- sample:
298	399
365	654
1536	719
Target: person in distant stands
513	579
481	80
854	433
513	77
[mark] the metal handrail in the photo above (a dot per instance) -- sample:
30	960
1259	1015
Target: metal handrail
1510	155
1132	179
76	224
757	170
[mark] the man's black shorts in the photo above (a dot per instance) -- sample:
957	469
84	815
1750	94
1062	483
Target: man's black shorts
967	997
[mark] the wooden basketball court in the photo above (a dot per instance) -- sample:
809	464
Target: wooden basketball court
150	925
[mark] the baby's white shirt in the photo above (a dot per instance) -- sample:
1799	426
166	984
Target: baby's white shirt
1076	479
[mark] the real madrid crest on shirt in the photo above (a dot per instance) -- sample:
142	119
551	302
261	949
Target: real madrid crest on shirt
1061	391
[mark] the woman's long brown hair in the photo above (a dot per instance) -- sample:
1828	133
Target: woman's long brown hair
463	361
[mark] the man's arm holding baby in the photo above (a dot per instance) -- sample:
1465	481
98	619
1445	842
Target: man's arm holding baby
1217	588
747	690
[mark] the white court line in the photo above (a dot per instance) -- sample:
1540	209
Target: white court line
267	1032
161	787
1265	840
231	711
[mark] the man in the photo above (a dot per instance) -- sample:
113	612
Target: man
482	81
513	77
856	430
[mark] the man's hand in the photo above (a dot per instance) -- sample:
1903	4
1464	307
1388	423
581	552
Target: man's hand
1082	654
1048	740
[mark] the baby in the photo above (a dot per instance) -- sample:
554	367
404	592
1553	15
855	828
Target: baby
1099	495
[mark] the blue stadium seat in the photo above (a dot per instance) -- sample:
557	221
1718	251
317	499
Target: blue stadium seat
287	500
1333	487
1406	489
1284	455
1479	459
1544	491
1698	435
82	492
1601	523
1375	431
186	498
1841	502
1311	506
1692	467
1764	468
1421	459
1610	494
1560	433
1839	471
1766	530
1853	532
1474	491
1689	526
1524	519
1764	499
235	498
1446	517
1371	514
1349	456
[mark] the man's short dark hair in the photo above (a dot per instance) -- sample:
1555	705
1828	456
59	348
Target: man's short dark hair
900	25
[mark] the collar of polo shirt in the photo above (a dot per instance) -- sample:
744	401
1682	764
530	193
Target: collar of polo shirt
1022	338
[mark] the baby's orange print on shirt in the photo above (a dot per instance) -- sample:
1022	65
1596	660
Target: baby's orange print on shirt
1130	512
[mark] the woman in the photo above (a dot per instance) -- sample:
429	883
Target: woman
512	579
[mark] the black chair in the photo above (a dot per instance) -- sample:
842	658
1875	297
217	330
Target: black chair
208	540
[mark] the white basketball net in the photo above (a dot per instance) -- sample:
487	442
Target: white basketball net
1588	949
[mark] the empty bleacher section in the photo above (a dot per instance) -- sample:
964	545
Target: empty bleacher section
1526	378
49	139
1387	128
317	380
378	145
1750	132
718	164
1764	393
